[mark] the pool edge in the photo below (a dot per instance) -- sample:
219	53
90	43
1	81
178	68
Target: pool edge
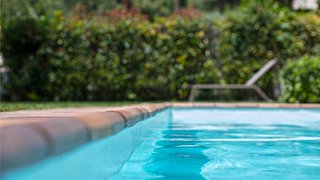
28	139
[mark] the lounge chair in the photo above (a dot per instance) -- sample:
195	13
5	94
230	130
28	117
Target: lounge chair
249	85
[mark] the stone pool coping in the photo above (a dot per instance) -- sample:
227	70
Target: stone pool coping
32	135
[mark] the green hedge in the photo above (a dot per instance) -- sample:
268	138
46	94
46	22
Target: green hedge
65	58
21	40
301	80
255	35
81	60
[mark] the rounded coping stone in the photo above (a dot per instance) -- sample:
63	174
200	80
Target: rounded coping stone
310	105
103	124
226	105
268	105
144	111
22	145
151	110
161	107
247	105
131	115
167	104
17	121
187	104
282	105
203	104
63	133
156	107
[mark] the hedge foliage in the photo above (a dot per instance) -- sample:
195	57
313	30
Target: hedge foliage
301	80
60	59
63	58
255	35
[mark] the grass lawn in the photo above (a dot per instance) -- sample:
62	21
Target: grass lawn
14	106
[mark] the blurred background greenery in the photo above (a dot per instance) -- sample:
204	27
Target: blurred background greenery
142	50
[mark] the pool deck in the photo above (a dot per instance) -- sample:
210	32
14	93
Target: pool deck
28	136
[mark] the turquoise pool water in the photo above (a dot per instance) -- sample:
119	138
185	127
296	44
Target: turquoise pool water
198	143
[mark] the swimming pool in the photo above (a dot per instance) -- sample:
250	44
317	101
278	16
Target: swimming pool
197	143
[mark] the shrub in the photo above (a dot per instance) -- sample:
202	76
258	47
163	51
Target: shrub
62	58
22	38
93	60
301	80
257	33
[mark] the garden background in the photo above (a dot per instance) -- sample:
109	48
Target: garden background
144	50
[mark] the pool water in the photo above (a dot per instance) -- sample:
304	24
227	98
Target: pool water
198	143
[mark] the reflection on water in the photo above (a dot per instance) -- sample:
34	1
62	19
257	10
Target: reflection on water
176	159
231	144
